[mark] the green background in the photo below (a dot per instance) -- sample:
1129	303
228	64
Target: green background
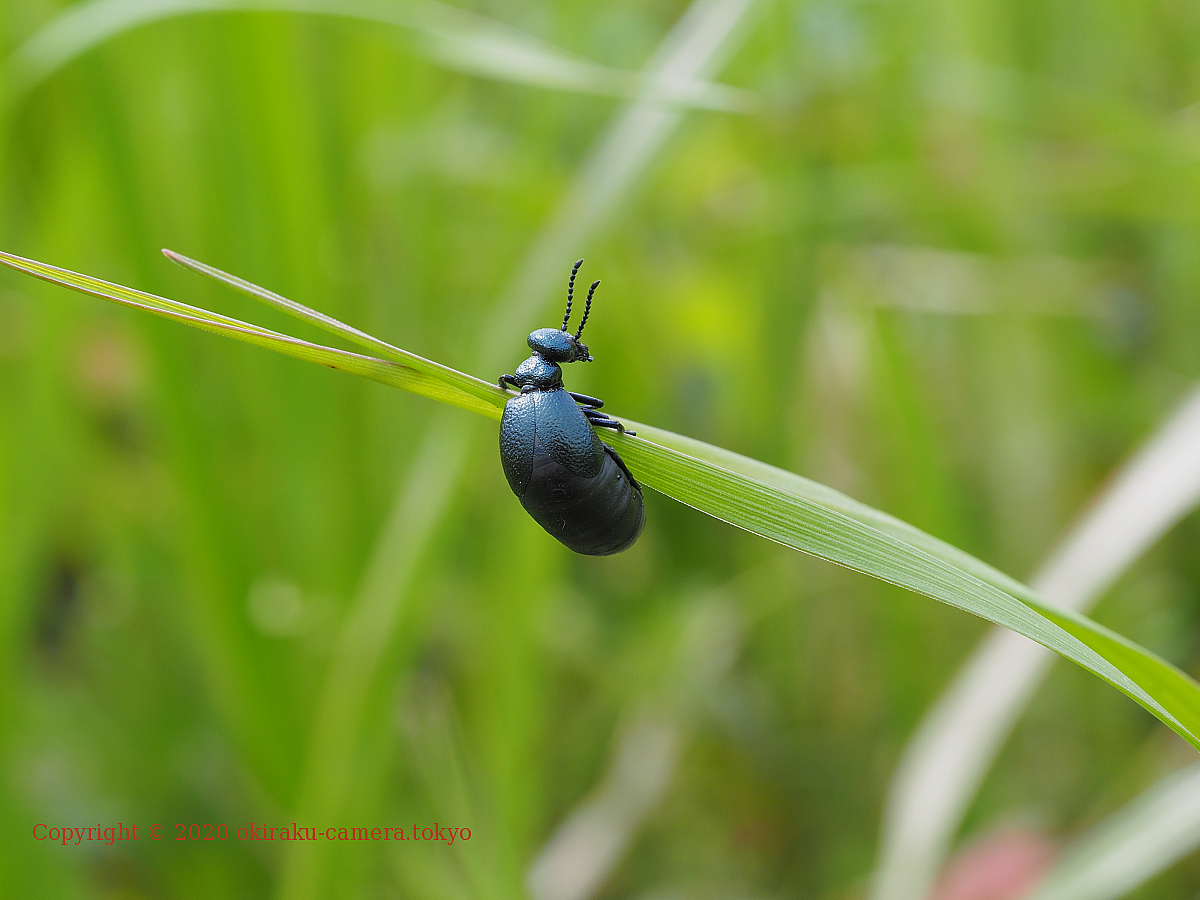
949	265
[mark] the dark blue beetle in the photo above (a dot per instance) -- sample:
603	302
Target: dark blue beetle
571	482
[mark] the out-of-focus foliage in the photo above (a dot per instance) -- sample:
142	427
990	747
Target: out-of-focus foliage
950	267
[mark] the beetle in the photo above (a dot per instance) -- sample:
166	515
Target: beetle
572	483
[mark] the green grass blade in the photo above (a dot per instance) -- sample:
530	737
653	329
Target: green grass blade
769	502
291	307
481	390
426	380
817	520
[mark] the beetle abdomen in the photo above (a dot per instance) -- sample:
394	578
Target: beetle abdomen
597	516
571	483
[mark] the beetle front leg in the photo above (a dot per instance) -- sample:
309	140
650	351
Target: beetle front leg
506	380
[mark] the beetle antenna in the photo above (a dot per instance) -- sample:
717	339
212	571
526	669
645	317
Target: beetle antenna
570	292
587	308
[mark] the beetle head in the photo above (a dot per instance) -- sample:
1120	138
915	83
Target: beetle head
557	346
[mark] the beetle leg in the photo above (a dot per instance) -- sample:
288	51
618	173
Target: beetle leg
620	462
585	401
506	380
603	420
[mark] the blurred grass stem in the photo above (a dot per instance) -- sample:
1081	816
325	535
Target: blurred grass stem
1131	846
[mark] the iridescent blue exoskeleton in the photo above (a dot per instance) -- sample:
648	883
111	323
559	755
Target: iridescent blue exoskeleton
571	482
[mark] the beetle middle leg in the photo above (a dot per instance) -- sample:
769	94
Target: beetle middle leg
585	401
508	380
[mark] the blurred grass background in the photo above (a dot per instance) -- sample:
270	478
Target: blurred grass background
950	266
